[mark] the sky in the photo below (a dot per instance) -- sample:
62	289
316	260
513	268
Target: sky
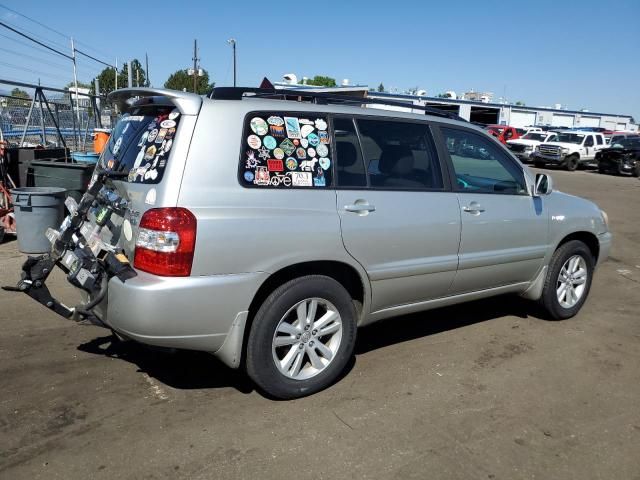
581	54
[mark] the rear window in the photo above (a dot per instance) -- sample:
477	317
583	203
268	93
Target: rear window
286	150
140	143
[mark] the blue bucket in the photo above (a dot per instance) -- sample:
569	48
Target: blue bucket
85	157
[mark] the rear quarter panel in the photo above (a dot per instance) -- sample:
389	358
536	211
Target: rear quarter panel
242	229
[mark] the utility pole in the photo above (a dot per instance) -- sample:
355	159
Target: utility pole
232	42
129	75
116	73
195	66
146	69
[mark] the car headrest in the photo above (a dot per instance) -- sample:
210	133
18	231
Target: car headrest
396	157
347	154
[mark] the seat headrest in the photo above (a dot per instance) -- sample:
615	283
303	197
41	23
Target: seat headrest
393	155
347	154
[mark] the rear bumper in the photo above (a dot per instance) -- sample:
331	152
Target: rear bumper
604	239
189	312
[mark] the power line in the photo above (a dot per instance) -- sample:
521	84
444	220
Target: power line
94	58
36	35
41	60
36	41
34	21
37	72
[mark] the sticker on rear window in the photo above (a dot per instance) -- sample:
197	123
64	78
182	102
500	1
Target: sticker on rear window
285	150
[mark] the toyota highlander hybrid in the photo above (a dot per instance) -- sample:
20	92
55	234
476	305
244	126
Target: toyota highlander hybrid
266	226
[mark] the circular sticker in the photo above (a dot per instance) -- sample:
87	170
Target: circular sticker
168	124
167	145
248	176
325	163
306	130
313	139
301	153
254	141
304	143
321	124
277	121
296	142
174	114
278	153
311	151
152	135
322	150
269	142
291	163
259	126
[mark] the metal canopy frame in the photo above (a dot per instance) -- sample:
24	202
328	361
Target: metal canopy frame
320	98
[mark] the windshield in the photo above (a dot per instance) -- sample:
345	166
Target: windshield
621	142
140	143
534	136
570	138
552	137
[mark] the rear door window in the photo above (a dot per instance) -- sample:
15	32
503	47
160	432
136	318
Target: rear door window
141	142
286	150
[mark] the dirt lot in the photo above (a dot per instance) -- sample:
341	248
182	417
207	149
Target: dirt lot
485	390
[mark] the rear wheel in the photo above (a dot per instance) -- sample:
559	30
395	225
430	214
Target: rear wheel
601	169
302	337
571	162
568	280
636	171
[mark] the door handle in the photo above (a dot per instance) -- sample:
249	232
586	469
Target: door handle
473	208
360	208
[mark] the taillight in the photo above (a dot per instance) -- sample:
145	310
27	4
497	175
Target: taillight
166	242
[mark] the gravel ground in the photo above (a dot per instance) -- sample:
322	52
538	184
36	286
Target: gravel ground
484	390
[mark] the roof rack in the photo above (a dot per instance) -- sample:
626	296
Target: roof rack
320	98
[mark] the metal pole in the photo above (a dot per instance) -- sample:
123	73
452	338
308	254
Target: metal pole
146	69
75	81
195	66
44	133
55	122
116	73
26	123
129	75
232	42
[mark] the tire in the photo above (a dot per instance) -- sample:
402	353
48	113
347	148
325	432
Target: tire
636	171
301	377
601	170
571	162
550	300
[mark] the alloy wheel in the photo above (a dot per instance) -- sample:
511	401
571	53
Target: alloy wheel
572	281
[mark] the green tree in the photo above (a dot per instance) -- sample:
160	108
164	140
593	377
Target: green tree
442	95
16	92
520	103
107	78
381	87
181	80
322	81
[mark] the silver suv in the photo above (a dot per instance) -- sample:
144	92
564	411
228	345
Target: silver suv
265	227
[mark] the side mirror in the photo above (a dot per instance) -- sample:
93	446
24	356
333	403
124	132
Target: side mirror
543	185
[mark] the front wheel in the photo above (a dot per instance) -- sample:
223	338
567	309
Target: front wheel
302	337
568	280
636	171
571	163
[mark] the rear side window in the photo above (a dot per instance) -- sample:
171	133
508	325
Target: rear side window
399	155
141	142
286	150
599	140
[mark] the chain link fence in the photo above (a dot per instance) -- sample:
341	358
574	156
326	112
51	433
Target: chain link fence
52	118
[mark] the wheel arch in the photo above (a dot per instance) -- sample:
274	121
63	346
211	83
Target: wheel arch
354	281
588	238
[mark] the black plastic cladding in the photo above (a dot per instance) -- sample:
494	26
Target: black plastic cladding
237	93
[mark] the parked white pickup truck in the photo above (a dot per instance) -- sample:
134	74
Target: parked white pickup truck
524	146
569	149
